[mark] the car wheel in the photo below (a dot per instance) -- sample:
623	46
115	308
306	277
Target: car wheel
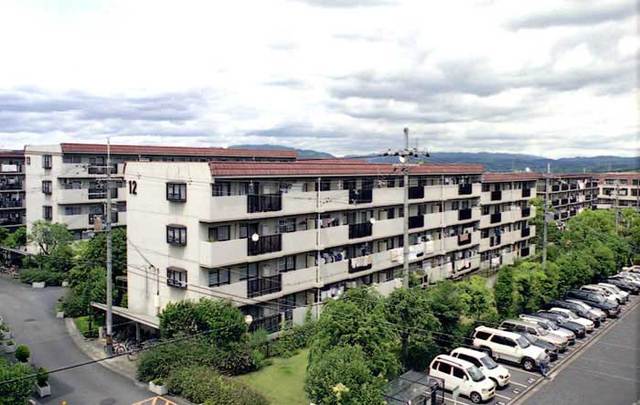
528	364
475	398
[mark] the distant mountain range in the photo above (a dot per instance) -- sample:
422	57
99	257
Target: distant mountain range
496	162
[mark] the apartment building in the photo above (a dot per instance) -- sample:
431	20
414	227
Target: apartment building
506	213
569	193
277	239
12	189
66	182
619	190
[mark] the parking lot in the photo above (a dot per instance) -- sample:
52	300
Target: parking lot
527	387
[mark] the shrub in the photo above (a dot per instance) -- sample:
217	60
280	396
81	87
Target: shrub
199	384
42	376
19	389
36	276
22	353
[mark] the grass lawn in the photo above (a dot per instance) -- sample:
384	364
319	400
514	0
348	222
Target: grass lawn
283	381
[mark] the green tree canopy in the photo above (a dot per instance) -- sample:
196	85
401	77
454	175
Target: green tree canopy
49	236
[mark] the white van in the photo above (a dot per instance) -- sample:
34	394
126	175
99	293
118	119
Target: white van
499	374
616	290
464	376
509	346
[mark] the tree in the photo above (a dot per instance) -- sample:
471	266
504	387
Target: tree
504	292
479	299
48	237
343	376
16	392
448	305
223	319
16	238
93	252
409	311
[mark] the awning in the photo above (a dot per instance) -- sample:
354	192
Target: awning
144	319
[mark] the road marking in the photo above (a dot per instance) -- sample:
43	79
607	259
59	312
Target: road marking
517	383
502	396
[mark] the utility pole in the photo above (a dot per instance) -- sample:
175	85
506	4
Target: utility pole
544	233
617	204
109	255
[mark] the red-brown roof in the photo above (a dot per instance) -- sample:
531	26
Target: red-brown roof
336	168
505	177
10	153
627	175
148	150
565	175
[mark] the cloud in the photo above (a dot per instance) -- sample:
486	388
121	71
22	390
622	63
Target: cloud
580	13
348	3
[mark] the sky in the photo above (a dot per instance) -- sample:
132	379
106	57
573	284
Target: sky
555	78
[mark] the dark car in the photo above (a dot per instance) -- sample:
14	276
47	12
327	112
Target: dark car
577	309
595	300
579	330
624	285
551	349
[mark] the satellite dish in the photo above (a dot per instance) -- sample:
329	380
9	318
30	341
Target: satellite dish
248	319
372	220
255	237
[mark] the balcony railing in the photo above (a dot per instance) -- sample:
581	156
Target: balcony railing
555	188
269	323
416	222
495	218
92	218
11	203
572	213
11	186
176	283
496	195
264	285
524	232
464	239
265	244
264	203
464	214
573	186
355	267
564	201
495	240
416	192
526	211
465	189
360	230
526	192
8	221
565	187
360	196
524	252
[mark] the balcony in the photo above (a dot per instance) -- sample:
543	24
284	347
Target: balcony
464	214
416	222
525	232
358	264
264	203
564	201
9	203
360	196
555	188
361	230
565	187
524	252
264	285
265	244
464	239
271	324
496	195
495	218
465	189
495	240
416	192
11	186
526	212
526	192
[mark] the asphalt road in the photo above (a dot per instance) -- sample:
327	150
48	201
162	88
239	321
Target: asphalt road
30	314
607	372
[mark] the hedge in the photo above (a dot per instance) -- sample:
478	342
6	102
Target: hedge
36	276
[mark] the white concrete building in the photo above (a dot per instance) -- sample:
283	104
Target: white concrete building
65	182
569	193
12	189
277	238
505	225
619	190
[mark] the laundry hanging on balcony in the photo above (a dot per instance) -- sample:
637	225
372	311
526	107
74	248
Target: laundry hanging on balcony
362	261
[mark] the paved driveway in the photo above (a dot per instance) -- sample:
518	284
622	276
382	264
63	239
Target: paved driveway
30	314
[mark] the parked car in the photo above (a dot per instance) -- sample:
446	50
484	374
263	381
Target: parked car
562	322
578	310
611	297
532	328
592	310
615	290
551	327
508	346
499	374
552	350
595	300
468	378
625	285
633	276
571	316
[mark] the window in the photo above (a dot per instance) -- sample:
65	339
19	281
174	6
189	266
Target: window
219	233
286	263
482	335
243	231
458	373
72	210
46	161
47	212
485	187
176	277
121	206
46	186
218	277
177	192
251	272
501	340
444	368
470	359
71	159
177	235
286	225
221	189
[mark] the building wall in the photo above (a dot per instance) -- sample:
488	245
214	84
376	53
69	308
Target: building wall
625	185
12	190
569	194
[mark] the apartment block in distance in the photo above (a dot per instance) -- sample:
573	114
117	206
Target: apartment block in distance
505	224
278	238
625	185
66	182
12	189
569	193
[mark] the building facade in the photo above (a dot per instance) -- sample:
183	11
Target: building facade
619	190
277	239
67	182
506	231
568	194
12	189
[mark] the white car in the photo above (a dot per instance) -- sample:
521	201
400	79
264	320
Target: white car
595	311
570	315
615	289
499	374
464	376
551	327
608	297
509	346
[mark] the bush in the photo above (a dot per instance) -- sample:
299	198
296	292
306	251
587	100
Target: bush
36	276
22	353
42	376
199	384
17	391
74	305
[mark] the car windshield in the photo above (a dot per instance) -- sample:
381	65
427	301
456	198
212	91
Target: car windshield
571	315
542	332
475	373
522	342
488	362
552	326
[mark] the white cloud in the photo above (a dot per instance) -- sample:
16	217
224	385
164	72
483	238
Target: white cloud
467	71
